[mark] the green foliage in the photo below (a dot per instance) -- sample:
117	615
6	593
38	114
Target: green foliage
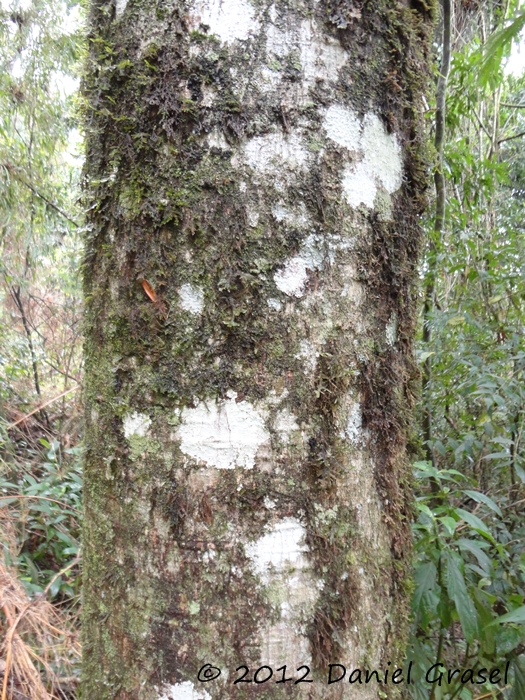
467	569
469	537
40	357
44	500
497	47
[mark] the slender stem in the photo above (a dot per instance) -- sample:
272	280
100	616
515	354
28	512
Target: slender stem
510	138
39	408
439	222
15	293
39	194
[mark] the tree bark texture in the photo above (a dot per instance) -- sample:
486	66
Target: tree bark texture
255	172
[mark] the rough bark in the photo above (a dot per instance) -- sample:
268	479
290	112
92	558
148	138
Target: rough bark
254	175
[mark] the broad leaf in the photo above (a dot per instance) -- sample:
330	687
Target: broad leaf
517	615
482	498
457	590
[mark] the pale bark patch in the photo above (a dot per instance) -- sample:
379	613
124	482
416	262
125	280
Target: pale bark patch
216	139
283	546
380	163
353	431
309	353
230	21
120	6
136	424
320	56
343	126
184	691
292	278
359	186
285	423
279	558
225	434
297	217
270	152
391	330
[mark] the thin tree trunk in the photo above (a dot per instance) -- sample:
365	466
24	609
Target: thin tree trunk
439	225
255	174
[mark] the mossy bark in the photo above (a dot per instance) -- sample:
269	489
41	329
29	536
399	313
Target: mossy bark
254	178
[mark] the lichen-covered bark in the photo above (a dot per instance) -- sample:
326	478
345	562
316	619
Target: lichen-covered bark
254	177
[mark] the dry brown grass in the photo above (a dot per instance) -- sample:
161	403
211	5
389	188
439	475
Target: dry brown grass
40	647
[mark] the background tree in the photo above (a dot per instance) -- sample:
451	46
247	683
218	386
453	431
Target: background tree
255	175
470	584
40	353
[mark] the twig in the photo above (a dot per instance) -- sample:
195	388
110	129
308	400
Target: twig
12	627
34	190
509	138
60	573
482	125
39	408
490	695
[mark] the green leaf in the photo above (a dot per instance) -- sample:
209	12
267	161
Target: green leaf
449	524
497	455
517	672
520	473
425	355
496	46
425	577
517	615
472	546
457	590
482	498
456	320
55	587
507	639
475	523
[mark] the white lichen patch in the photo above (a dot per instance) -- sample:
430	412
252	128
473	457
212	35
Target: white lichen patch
274	304
136	424
230	20
279	557
380	163
184	691
359	186
223	434
216	139
281	548
285	423
342	125
308	352
391	330
354	427
297	217
191	298
320	57
292	278
253	219
382	153
120	6
269	153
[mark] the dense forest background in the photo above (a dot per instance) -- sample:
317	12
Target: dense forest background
469	431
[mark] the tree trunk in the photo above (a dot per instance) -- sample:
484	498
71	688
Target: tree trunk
255	173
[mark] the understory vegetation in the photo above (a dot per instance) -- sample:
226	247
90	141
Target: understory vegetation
469	436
